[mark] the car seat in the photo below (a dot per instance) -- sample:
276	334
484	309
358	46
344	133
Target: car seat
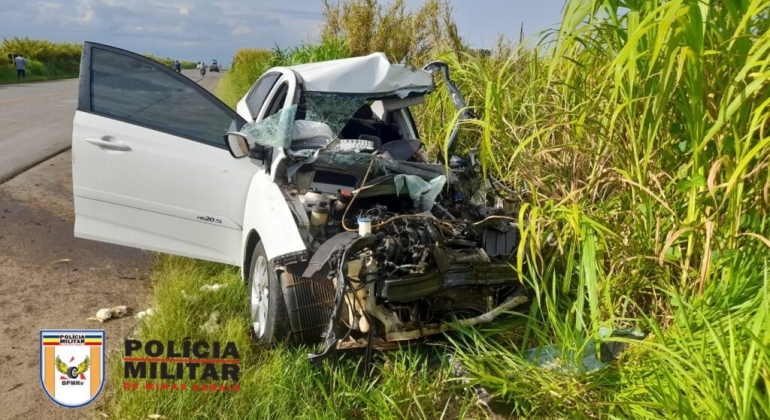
310	134
365	125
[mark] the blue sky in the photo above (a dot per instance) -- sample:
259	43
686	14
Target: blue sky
201	30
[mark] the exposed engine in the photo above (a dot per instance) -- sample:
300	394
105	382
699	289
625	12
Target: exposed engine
398	267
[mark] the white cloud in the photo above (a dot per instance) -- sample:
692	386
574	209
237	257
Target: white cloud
240	30
87	16
47	6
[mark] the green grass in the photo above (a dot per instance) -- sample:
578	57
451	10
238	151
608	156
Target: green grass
643	139
46	60
275	384
37	71
227	91
169	62
248	65
9	77
641	135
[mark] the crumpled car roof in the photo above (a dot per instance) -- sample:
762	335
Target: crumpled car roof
371	75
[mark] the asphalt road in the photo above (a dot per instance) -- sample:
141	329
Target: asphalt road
48	278
36	120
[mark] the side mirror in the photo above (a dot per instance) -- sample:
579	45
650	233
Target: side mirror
237	144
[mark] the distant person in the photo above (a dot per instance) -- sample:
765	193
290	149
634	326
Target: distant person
177	66
21	67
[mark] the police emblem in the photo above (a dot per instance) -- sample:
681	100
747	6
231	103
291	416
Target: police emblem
72	365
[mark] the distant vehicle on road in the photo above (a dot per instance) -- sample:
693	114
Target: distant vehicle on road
214	66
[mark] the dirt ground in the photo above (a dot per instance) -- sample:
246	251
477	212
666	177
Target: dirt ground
50	279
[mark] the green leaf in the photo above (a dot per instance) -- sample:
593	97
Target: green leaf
692	182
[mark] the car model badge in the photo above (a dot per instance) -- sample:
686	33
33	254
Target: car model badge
72	365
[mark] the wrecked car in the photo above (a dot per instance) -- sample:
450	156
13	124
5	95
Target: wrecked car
316	186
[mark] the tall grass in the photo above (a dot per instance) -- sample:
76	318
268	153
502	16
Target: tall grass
402	33
248	65
642	138
45	59
169	62
329	49
41	49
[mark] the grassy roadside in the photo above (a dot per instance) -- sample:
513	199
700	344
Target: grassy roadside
276	384
10	78
227	91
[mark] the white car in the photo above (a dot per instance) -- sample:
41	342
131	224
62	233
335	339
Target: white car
316	188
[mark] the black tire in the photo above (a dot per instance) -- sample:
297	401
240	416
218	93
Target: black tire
276	325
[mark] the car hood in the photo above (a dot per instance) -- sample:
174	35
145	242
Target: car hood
372	76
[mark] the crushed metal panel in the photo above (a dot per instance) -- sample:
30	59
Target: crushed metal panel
268	212
372	75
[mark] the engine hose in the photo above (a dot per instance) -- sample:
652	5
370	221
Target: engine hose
358	191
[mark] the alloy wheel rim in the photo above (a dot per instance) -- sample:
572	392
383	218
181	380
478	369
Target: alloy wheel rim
259	297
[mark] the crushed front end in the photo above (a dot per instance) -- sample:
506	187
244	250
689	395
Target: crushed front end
412	252
400	247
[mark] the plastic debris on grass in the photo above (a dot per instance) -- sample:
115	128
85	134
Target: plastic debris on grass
212	325
189	297
146	313
593	358
212	287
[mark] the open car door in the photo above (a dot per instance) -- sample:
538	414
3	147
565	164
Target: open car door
150	168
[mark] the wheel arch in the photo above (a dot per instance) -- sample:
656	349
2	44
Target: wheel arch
277	219
252	239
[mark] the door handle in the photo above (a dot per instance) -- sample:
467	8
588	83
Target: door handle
109	144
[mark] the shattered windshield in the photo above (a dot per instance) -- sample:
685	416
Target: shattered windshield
314	123
273	131
332	110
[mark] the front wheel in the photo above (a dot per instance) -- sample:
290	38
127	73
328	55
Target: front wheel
269	320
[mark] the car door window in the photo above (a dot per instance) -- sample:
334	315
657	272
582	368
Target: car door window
131	88
275	127
276	104
259	93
